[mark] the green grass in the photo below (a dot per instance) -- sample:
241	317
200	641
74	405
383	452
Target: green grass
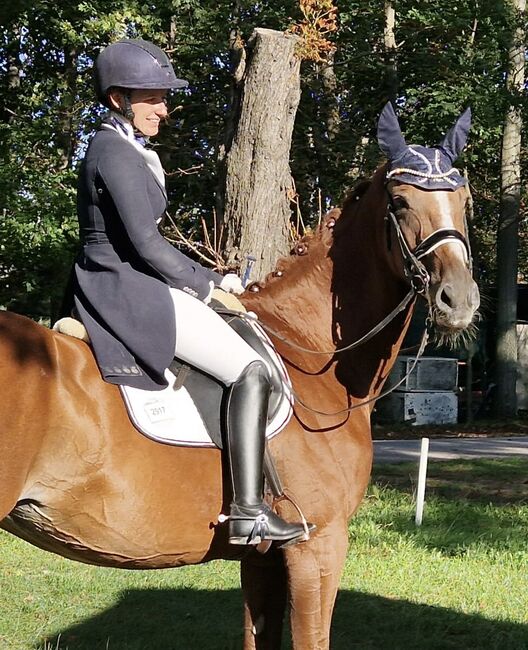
459	581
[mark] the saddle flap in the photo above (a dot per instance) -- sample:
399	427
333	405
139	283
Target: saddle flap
167	417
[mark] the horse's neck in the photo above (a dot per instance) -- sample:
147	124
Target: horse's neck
364	286
336	293
366	290
297	304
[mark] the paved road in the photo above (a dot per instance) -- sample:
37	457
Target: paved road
399	451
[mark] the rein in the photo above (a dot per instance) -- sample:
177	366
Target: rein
419	280
421	349
366	337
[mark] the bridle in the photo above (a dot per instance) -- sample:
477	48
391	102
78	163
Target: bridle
415	271
419	280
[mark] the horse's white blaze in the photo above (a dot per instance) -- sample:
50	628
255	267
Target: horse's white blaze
444	210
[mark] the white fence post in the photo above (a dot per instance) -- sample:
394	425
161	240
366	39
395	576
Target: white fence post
422	474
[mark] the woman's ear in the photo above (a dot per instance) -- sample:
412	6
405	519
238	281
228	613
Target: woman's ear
115	99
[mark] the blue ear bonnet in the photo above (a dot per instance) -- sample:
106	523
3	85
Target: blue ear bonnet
429	168
433	169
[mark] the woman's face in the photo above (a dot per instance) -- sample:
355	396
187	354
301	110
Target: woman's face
148	106
149	109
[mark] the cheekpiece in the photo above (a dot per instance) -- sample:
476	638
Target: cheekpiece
429	168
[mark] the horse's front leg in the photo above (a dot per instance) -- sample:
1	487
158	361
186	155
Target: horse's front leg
314	571
264	585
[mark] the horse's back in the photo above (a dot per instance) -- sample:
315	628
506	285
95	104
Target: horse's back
43	371
26	347
77	477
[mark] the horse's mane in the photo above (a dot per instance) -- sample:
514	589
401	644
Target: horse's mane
312	242
357	192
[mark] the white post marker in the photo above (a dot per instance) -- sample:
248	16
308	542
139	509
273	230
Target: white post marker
422	474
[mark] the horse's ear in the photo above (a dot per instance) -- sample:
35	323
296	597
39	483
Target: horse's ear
390	138
455	140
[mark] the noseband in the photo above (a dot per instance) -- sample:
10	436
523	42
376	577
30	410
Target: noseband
415	271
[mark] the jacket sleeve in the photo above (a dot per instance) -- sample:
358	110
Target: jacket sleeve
125	178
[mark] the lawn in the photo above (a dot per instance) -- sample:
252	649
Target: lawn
459	581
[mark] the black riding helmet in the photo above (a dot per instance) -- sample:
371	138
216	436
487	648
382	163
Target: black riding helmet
133	64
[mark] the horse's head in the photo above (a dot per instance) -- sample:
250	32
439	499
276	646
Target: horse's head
427	205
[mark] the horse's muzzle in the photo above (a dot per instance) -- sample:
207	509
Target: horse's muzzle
455	304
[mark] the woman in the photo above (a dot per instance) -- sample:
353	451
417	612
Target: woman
144	302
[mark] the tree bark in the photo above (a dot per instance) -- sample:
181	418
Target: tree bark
508	227
259	185
390	49
66	135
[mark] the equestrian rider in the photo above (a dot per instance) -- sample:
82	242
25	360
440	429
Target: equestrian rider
141	300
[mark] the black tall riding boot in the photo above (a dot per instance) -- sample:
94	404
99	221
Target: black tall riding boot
251	520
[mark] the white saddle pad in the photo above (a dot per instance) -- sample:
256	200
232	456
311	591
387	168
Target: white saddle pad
171	416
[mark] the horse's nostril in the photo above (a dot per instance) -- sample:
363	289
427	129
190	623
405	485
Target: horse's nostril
445	299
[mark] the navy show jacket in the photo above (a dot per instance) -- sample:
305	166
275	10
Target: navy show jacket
125	267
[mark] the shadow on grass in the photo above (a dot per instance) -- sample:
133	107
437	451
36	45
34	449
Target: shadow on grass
206	620
500	482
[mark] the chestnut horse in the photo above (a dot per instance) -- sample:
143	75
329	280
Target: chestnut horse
77	479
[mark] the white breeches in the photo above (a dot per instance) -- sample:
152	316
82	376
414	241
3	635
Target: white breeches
206	341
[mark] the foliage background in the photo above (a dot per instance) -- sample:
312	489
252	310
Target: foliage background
449	55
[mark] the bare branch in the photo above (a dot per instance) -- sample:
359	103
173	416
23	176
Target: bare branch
185	172
211	256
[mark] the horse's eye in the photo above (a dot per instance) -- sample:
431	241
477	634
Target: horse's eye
399	203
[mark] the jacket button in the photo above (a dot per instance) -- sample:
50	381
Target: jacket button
99	190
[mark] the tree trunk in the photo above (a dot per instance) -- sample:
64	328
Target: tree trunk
66	135
237	62
329	83
389	42
259	185
12	78
508	229
326	127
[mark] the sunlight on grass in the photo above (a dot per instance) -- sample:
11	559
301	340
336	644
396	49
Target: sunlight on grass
458	581
468	555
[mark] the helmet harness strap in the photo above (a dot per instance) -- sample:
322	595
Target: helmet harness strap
127	111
